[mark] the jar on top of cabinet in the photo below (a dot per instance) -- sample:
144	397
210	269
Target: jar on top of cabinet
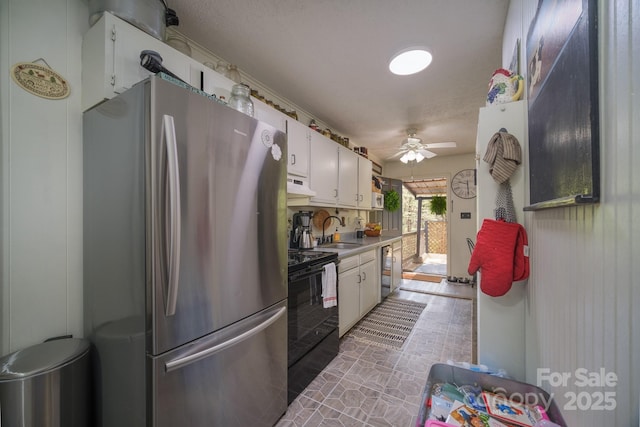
240	99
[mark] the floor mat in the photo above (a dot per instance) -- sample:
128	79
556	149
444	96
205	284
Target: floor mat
421	276
389	324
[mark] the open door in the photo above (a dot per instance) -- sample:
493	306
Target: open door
426	230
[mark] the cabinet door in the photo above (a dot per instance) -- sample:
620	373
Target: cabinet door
347	177
129	42
267	114
369	287
323	169
364	183
298	145
396	269
348	299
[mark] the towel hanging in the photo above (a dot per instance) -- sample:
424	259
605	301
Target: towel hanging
329	286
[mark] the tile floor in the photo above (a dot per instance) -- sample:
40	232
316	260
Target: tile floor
367	385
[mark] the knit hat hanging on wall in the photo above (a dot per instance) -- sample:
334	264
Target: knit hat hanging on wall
503	155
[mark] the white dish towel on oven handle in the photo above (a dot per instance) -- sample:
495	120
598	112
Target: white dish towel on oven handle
329	284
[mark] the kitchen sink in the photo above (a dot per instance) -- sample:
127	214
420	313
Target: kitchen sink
340	245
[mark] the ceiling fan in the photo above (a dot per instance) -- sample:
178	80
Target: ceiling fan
412	148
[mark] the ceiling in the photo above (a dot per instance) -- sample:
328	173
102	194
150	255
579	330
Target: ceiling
330	58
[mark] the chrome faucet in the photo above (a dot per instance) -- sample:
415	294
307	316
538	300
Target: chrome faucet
325	221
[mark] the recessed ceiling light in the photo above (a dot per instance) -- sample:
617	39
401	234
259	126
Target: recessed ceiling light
410	61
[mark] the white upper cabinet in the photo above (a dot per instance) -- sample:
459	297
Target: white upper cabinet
347	177
268	114
365	167
339	176
298	137
111	62
323	169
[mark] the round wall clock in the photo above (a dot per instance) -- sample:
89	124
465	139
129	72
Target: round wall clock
463	184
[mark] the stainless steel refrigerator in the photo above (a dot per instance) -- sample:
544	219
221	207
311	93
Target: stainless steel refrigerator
185	274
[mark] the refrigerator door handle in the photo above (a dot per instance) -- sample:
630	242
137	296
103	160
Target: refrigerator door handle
187	360
172	252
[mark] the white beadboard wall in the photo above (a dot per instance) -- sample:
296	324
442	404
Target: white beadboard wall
583	297
41	193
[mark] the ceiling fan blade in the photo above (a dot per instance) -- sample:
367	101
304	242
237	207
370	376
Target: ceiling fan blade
396	155
441	145
427	154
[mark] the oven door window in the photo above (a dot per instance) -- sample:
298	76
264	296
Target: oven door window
309	322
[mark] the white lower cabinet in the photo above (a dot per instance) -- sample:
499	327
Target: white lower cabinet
359	289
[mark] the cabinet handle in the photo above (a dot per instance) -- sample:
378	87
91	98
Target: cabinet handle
293	159
364	276
359	278
361	197
335	191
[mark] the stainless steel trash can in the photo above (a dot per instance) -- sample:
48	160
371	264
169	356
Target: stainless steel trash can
46	385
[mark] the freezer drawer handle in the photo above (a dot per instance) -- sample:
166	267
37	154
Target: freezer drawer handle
184	361
173	251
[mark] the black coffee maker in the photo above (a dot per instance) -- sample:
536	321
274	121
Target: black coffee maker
301	233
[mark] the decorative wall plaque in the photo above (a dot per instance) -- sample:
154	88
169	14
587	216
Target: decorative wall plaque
40	80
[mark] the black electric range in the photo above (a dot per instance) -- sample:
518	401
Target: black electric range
313	339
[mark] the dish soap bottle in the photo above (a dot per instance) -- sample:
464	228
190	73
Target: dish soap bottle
336	236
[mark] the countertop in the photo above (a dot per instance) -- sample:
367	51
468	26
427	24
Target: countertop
366	244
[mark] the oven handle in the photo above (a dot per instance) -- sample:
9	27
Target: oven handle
309	271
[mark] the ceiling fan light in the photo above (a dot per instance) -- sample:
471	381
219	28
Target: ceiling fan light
419	157
410	61
411	155
404	159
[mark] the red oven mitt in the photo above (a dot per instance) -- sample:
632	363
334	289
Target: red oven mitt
521	257
494	254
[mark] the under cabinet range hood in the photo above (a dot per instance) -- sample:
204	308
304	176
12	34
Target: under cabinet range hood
298	187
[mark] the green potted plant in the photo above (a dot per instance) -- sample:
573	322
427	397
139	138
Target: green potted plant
391	200
438	205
